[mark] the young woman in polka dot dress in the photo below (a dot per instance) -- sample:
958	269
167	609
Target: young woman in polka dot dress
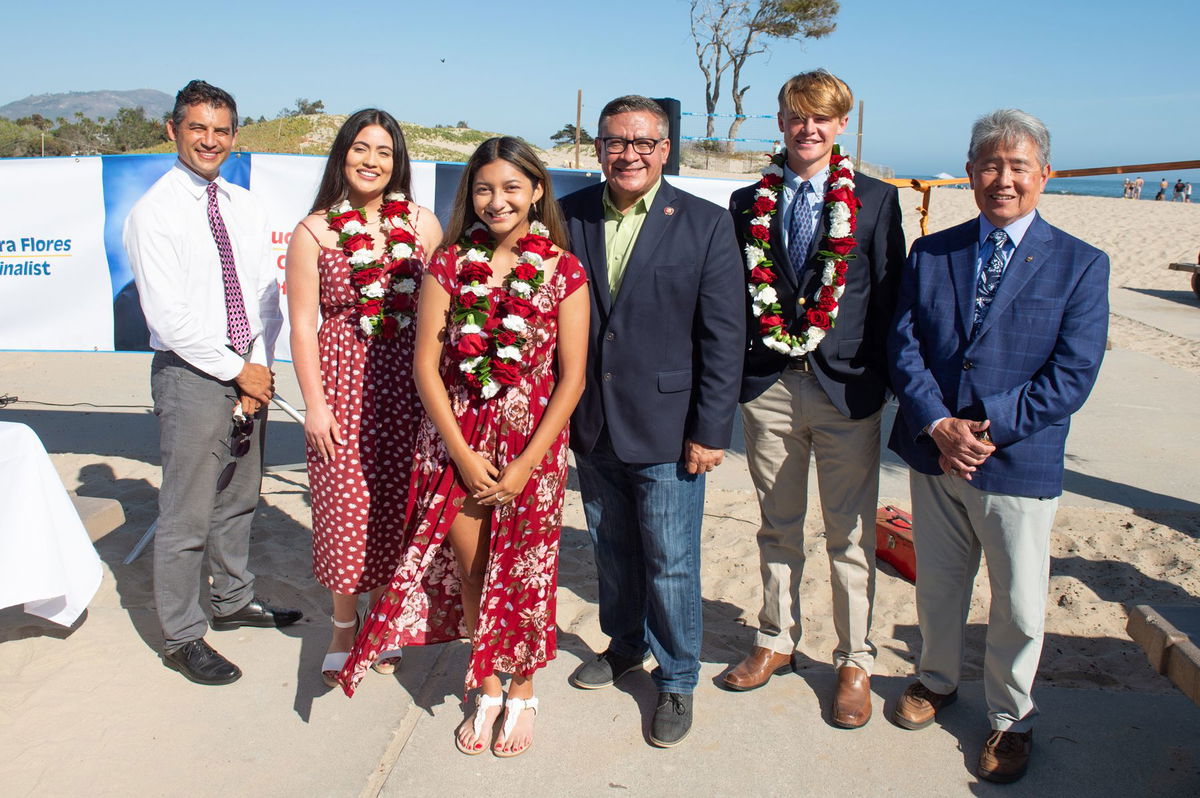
357	277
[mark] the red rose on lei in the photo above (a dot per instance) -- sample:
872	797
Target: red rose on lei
398	235
366	276
760	275
516	306
841	267
769	181
475	272
356	242
538	245
769	322
472	345
818	318
506	337
342	219
764	205
393	208
504	373
390	326
826	302
491	324
480	236
839	246
525	271
839	194
468	299
760	231
371	307
399	303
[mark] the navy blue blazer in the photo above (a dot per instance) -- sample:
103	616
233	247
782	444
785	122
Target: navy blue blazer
664	357
850	362
1030	366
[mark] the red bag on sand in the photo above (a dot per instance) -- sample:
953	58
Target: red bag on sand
894	541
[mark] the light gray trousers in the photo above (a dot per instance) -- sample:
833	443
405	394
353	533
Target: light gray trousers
953	522
195	424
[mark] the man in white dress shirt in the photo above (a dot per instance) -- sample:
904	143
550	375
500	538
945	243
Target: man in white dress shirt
199	248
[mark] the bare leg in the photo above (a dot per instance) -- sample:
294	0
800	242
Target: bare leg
522	734
468	537
385	665
345	611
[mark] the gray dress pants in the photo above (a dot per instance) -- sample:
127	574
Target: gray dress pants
195	424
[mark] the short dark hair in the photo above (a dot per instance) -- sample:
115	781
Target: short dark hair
334	188
631	103
197	92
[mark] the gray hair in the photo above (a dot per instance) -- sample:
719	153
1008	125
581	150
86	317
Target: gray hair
1008	126
631	103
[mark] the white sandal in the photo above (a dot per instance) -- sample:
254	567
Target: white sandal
388	661
483	702
336	660
513	708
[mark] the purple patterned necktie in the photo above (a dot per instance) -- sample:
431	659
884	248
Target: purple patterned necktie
235	306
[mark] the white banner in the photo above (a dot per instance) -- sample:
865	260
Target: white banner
55	291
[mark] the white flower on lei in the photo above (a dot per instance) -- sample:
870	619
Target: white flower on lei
361	257
401	250
395	196
477	256
843	182
771	342
532	258
765	192
839	220
367	324
773	169
477	290
402	320
514	322
754	256
405	286
469	364
521	288
470	329
373	290
539	229
509	353
764	294
490	389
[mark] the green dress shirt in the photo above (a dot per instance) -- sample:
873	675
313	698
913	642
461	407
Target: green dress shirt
621	231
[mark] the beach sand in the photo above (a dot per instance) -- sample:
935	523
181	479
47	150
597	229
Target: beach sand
1127	531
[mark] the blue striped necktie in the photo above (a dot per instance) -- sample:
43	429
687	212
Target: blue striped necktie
800	231
989	278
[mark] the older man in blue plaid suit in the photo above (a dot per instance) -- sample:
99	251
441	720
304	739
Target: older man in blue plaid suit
999	331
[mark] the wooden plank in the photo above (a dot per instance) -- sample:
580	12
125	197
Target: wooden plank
1185	267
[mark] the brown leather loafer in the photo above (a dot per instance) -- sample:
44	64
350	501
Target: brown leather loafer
919	705
757	669
852	701
1005	756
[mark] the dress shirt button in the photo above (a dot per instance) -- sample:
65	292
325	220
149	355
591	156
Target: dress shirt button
610	336
968	365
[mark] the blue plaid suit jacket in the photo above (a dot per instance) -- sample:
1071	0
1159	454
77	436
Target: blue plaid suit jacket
1030	366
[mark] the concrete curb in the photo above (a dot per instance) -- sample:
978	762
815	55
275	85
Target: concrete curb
1172	652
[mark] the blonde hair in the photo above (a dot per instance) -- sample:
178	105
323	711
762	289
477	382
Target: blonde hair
816	93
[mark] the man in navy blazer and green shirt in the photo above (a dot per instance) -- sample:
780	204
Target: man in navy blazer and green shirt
824	400
664	358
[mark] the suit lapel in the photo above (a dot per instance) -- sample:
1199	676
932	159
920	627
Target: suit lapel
1025	261
658	220
783	264
962	273
596	257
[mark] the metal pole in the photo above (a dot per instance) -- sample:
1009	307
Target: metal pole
858	149
578	122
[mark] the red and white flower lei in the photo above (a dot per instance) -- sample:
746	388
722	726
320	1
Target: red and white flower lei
386	287
492	337
841	213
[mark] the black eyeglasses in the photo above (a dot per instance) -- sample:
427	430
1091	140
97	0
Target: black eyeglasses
239	444
615	145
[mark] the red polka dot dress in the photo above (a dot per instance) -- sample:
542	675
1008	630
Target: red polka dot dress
358	497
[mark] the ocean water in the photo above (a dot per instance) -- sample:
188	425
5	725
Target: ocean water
1110	186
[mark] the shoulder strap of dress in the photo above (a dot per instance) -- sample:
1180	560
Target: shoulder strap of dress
310	232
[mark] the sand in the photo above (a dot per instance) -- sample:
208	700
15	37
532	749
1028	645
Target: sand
1128	531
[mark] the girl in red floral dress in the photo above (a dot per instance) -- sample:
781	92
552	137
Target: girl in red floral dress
501	348
357	260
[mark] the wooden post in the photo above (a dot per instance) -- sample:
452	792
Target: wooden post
858	148
578	121
924	209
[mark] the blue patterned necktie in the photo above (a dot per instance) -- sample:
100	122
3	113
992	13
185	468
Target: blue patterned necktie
800	231
989	278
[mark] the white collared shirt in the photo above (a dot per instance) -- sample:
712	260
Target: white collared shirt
178	271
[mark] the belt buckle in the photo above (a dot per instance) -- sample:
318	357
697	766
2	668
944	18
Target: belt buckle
800	364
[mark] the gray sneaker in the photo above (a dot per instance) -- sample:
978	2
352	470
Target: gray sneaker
605	669
672	719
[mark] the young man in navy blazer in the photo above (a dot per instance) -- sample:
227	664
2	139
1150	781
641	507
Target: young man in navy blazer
999	332
811	388
664	358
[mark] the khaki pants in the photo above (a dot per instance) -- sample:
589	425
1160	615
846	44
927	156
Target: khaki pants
953	522
790	421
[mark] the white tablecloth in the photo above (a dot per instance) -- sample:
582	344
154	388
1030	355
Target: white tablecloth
47	561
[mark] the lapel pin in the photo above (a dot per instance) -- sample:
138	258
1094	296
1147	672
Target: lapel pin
1028	258
668	210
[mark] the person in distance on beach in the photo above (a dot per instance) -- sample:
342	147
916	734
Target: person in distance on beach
810	385
664	358
353	268
499	364
199	249
998	336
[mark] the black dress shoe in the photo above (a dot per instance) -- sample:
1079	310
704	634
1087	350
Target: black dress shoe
257	613
605	669
197	661
672	719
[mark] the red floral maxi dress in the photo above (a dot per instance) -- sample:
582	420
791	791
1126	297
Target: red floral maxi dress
358	496
422	605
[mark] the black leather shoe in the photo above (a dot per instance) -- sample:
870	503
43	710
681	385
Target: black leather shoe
672	719
605	669
257	613
197	661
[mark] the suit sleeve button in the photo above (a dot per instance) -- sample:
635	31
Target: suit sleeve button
968	365
607	376
610	336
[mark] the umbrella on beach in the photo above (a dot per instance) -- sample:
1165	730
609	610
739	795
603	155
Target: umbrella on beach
944	176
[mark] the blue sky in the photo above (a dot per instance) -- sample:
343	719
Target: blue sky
1116	82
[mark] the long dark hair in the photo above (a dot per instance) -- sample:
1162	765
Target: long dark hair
333	187
517	153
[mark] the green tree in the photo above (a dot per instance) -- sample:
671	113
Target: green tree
304	106
567	135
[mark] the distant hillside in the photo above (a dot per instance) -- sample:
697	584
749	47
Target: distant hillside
92	104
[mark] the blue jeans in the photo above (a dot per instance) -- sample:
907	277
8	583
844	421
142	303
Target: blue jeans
644	519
